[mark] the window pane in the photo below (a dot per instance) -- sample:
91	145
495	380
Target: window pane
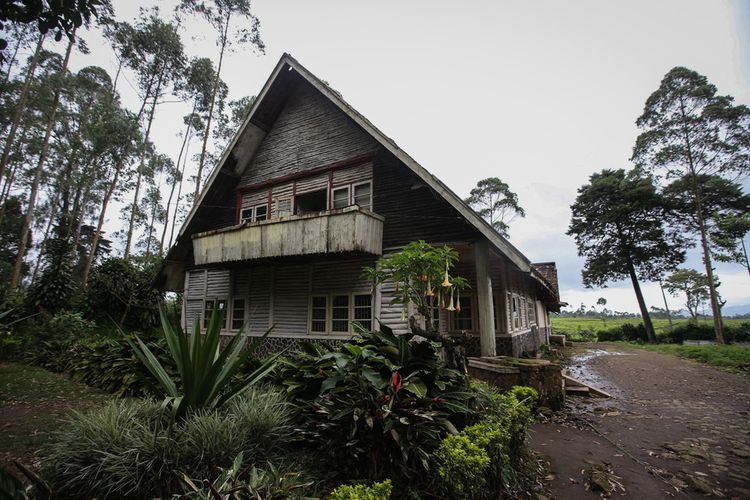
362	196
340	313
318	314
463	319
238	313
363	310
207	311
246	215
261	212
341	197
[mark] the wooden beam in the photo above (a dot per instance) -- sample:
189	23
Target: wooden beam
484	296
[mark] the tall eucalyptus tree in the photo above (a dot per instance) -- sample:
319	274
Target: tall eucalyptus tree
690	135
220	14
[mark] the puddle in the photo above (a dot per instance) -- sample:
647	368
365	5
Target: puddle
581	369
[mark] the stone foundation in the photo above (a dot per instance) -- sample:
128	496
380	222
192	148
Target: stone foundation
524	344
506	372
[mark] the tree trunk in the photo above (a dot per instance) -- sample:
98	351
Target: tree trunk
179	195
17	268
171	191
641	302
21	106
666	306
53	212
714	296
99	225
140	167
211	110
12	61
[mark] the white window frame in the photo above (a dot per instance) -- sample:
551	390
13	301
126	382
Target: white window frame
354	187
253	212
326	328
333	196
217	302
329	312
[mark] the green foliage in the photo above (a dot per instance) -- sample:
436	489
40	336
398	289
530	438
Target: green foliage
131	448
52	292
205	371
378	491
618	225
730	357
700	141
627	332
120	290
496	203
70	325
378	405
420	273
106	363
484	459
238	482
463	467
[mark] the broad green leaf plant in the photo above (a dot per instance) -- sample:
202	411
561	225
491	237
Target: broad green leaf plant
205	370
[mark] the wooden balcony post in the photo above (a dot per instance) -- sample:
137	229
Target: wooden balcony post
486	313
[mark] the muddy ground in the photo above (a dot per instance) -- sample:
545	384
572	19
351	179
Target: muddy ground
673	429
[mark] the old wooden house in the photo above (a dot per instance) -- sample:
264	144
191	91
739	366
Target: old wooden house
306	194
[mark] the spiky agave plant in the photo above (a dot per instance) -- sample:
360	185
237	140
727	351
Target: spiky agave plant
206	371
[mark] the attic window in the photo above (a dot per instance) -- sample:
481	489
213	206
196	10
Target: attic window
312	202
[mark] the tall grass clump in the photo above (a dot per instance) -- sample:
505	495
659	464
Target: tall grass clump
134	449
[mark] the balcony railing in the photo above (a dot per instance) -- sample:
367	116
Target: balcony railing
343	230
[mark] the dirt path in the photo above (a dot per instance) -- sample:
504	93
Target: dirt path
673	429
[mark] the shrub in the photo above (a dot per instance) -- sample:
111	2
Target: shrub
463	467
627	332
378	405
234	482
131	448
206	371
501	435
378	491
69	325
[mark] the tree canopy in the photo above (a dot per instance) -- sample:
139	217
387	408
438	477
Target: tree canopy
496	203
618	227
692	136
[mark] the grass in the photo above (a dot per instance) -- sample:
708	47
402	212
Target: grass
32	403
729	357
573	327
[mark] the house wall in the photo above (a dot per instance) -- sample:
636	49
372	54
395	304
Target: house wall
412	210
277	296
309	132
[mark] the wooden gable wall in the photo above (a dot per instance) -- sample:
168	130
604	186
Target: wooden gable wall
411	209
309	132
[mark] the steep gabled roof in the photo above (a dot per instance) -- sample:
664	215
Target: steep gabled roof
247	139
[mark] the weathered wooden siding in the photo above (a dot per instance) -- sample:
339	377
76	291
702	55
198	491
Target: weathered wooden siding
196	292
393	315
412	210
342	276
291	296
259	313
313	183
309	132
360	173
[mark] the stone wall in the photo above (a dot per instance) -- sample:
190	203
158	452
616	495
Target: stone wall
504	373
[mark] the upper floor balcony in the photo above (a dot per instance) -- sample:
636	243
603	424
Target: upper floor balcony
349	229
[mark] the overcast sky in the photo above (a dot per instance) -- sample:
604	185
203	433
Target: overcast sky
538	93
